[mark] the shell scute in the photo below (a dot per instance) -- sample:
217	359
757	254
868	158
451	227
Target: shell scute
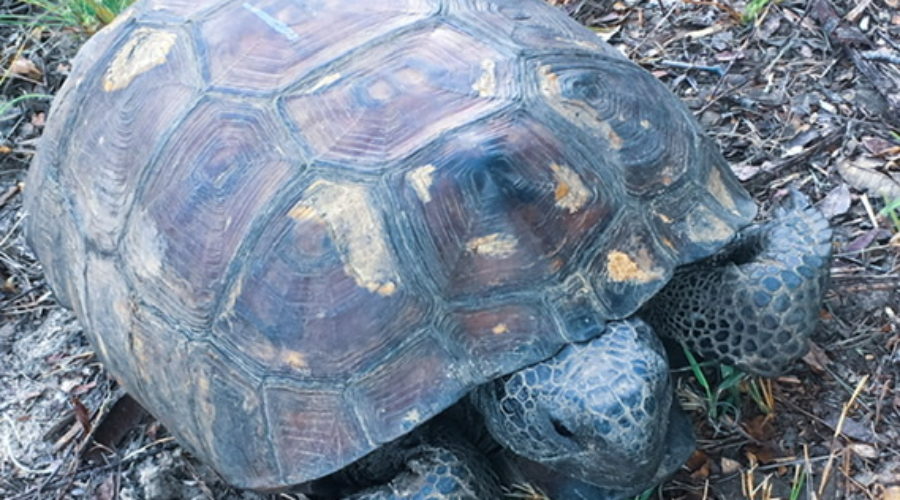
648	136
359	113
295	307
493	219
265	45
499	337
231	404
105	163
407	387
315	431
216	175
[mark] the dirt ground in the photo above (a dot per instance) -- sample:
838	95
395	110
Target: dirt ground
805	94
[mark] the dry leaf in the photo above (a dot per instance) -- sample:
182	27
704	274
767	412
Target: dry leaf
760	428
763	454
836	202
25	67
81	414
816	358
862	175
701	473
698	464
892	493
107	490
862	241
877	145
864	450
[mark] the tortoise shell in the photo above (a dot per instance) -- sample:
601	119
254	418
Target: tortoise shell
296	229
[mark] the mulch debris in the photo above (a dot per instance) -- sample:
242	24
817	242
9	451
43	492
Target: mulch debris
799	94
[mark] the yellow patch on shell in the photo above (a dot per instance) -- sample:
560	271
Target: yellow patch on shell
570	193
147	49
486	85
144	242
622	267
555	265
576	111
500	329
294	359
497	245
412	417
615	140
323	82
412	76
645	123
705	227
581	43
549	81
421	179
356	229
718	189
380	90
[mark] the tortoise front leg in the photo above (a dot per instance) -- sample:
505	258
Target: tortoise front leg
755	305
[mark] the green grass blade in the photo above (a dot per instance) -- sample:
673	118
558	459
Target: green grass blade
6	106
797	485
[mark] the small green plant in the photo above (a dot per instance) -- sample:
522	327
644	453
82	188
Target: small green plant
732	383
724	395
798	483
753	9
84	15
891	210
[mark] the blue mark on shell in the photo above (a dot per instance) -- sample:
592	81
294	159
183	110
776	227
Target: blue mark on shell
273	23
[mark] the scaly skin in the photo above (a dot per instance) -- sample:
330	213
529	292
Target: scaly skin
755	305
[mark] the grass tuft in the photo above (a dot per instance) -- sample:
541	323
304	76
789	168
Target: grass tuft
722	396
83	15
891	210
732	384
753	9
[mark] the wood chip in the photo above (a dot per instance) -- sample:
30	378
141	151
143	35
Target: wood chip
729	466
863	450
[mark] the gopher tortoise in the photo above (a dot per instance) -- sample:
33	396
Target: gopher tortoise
297	231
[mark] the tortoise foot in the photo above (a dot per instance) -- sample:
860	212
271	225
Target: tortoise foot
755	305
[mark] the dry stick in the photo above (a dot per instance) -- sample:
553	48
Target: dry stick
838	430
807	464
